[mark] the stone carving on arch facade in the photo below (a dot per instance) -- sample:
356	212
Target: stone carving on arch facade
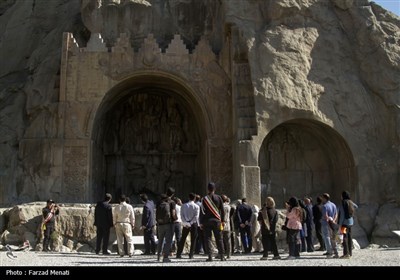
200	70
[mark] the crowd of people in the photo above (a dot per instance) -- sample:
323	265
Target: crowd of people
237	227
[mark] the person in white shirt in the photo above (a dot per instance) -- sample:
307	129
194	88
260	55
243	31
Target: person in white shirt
177	224
124	222
226	232
190	220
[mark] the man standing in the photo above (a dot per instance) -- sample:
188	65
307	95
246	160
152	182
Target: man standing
165	216
48	224
317	216
329	215
309	224
190	220
103	221
124	222
244	214
148	223
212	216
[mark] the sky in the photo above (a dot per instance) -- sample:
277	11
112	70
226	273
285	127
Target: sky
391	5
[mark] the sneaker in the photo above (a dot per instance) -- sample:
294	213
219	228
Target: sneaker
264	258
345	257
166	260
276	258
209	259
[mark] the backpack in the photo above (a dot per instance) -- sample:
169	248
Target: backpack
163	213
350	209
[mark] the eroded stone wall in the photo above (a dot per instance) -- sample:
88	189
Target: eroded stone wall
267	63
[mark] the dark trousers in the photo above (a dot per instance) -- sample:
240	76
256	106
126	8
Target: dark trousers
149	241
193	238
309	240
303	239
103	235
47	236
293	239
200	241
213	227
245	234
178	234
232	242
165	234
318	232
347	242
226	238
269	244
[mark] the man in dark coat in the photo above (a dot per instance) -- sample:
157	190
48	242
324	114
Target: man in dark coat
244	213
212	216
148	224
103	220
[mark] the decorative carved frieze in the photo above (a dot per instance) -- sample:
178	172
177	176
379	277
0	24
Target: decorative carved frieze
75	173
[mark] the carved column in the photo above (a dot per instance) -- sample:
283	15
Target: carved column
246	170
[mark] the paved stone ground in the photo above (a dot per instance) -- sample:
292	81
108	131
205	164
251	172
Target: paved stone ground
365	257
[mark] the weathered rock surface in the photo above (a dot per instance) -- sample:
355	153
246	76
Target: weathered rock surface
387	220
74	226
316	65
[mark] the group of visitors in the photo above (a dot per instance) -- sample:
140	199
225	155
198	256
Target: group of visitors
236	227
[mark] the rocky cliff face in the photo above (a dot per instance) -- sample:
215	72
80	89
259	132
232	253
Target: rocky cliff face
335	61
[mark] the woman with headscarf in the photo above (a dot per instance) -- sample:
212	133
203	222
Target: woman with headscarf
346	221
268	217
293	226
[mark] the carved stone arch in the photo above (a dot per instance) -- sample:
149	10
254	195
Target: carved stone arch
304	157
168	89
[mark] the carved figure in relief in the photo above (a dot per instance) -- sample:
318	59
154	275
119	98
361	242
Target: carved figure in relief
175	126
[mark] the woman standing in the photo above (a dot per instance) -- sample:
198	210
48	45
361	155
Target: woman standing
346	211
293	226
268	217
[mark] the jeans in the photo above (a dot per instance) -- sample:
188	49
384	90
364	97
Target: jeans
293	238
329	239
165	233
149	241
347	242
245	234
